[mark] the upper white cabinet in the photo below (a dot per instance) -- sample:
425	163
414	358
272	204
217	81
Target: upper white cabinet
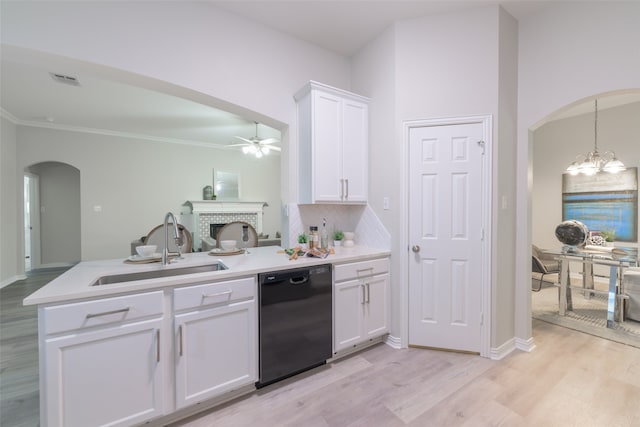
333	145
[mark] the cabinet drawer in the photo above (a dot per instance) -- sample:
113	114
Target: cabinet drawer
354	270
214	293
104	311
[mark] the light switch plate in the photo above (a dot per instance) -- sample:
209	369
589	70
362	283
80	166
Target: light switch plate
385	203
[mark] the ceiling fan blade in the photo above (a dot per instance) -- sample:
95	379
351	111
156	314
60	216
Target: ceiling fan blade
238	145
275	148
269	141
245	139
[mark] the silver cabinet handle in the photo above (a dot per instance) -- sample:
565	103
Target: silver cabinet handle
368	293
218	294
363	300
341	189
346	193
158	345
415	248
106	313
180	340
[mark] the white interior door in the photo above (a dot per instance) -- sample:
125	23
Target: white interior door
445	236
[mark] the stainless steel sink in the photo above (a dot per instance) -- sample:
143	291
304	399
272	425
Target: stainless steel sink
129	277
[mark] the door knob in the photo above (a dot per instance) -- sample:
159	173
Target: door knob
415	248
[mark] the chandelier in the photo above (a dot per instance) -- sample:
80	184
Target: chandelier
594	161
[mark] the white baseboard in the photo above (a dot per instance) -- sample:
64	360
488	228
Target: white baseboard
498	353
511	345
393	342
527	345
55	265
11	280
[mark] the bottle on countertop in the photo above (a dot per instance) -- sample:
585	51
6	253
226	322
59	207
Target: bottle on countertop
324	236
314	238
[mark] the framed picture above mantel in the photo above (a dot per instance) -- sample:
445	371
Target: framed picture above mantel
604	202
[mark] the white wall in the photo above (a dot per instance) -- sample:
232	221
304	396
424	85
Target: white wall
438	66
504	185
10	247
556	145
135	182
567	52
374	75
193	45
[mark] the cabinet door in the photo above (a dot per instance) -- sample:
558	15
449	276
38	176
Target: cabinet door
377	307
326	153
348	314
108	377
215	351
355	156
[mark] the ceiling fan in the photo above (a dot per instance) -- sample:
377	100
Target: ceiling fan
257	146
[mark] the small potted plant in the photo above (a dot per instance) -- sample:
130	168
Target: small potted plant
609	236
303	239
338	235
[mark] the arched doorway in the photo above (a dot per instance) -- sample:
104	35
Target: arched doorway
556	141
52	215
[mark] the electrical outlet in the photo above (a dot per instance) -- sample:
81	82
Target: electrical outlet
385	203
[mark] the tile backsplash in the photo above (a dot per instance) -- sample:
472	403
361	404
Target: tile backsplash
360	219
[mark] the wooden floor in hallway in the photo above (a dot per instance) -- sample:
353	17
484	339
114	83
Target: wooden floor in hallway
570	379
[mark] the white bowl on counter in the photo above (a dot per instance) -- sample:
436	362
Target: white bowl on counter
146	251
228	245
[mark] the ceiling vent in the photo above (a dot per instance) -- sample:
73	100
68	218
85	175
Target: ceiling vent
68	80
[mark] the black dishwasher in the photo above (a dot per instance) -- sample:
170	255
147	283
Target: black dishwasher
295	321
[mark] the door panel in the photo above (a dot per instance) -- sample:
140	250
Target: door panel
445	230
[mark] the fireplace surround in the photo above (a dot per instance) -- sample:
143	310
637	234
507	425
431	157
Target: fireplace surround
208	212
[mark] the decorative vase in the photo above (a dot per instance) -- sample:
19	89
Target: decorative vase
348	239
337	243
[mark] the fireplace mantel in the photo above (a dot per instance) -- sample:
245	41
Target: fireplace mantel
225	206
206	212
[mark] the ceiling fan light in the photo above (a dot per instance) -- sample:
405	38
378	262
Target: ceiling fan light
258	154
245	150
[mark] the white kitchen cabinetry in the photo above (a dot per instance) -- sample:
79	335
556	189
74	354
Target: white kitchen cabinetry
101	361
361	302
215	339
333	145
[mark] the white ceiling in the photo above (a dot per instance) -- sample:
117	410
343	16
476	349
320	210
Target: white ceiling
346	26
31	97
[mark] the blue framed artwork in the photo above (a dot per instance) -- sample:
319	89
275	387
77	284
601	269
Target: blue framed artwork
603	202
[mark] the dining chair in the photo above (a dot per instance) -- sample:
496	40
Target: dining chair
234	231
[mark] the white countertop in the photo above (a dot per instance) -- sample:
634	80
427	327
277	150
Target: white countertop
76	283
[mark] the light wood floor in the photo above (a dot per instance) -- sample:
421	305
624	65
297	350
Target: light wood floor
570	379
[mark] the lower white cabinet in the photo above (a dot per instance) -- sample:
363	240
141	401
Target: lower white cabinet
361	302
216	340
98	376
114	362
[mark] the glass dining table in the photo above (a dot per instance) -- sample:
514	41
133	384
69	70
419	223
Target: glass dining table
617	259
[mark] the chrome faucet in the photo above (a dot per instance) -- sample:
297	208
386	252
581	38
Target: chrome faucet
176	236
